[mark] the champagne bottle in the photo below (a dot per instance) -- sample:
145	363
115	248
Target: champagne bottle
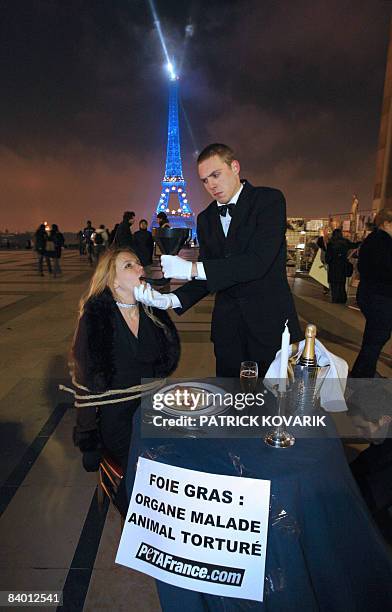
308	356
303	395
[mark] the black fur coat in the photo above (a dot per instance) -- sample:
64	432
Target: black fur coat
93	346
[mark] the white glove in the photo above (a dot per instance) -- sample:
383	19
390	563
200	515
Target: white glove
148	296
176	267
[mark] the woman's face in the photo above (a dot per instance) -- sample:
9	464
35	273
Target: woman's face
128	271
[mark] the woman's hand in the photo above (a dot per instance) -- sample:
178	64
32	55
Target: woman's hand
89	443
148	296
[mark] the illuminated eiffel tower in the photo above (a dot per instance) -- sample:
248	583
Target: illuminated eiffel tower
174	200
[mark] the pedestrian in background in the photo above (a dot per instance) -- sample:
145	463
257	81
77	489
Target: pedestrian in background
40	240
144	245
57	239
123	237
339	268
374	295
112	234
321	243
100	241
88	241
163	220
81	242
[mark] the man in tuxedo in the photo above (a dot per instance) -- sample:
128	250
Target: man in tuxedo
242	260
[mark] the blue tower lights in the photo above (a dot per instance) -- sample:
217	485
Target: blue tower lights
173	183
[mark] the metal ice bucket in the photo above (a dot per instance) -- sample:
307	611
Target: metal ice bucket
304	390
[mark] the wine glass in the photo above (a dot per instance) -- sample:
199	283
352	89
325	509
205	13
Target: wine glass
249	373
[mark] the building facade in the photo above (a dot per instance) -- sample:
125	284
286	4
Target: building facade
383	184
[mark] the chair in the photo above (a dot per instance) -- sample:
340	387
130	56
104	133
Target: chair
110	475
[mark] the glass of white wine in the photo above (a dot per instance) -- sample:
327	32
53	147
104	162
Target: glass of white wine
249	373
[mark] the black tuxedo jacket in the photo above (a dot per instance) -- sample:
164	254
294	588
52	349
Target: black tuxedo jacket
246	269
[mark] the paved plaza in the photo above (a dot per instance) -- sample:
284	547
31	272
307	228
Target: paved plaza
52	535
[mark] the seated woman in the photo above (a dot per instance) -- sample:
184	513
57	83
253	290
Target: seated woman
117	343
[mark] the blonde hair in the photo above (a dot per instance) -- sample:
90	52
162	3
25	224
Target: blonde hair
103	278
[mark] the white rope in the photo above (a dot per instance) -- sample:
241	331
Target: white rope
113	401
136	391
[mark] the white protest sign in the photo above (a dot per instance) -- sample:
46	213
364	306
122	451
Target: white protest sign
319	271
198	531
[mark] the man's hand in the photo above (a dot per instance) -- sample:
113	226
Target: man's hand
176	267
148	296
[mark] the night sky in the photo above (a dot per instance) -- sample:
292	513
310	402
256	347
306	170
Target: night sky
294	86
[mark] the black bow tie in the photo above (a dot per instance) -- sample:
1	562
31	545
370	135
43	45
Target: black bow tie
226	207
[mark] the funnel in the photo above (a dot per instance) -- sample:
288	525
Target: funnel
170	241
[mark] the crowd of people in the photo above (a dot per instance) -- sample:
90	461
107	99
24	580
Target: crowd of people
94	242
371	261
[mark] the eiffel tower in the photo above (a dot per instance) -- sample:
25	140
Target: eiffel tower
174	200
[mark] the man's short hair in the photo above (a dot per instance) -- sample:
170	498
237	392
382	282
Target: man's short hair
143	221
223	151
128	215
385	214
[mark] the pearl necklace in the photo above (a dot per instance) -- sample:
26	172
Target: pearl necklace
121	305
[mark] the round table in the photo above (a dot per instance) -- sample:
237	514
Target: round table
324	551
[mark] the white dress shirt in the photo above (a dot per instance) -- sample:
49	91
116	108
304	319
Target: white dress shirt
227	219
201	275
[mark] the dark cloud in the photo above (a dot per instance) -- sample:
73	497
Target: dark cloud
295	87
